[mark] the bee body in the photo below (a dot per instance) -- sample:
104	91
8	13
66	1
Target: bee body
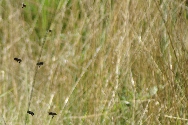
40	64
18	60
52	114
30	112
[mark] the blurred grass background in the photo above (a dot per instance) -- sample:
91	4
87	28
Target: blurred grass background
105	62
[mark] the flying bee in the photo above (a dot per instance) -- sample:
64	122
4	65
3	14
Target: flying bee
40	64
30	112
18	60
23	5
52	114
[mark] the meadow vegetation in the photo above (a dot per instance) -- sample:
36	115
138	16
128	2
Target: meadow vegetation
105	62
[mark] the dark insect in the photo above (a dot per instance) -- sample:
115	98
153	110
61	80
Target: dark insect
49	31
52	114
18	60
23	5
30	112
40	64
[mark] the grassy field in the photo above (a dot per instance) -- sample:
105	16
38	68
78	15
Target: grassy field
111	62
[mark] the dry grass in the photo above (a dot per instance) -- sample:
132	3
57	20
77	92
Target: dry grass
105	62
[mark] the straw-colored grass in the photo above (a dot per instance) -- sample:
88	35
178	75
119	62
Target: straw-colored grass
105	62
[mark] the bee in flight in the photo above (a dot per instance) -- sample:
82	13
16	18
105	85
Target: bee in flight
30	112
40	64
23	5
18	60
52	114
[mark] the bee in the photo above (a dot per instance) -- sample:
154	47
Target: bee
40	64
49	31
52	114
23	5
18	60
30	112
